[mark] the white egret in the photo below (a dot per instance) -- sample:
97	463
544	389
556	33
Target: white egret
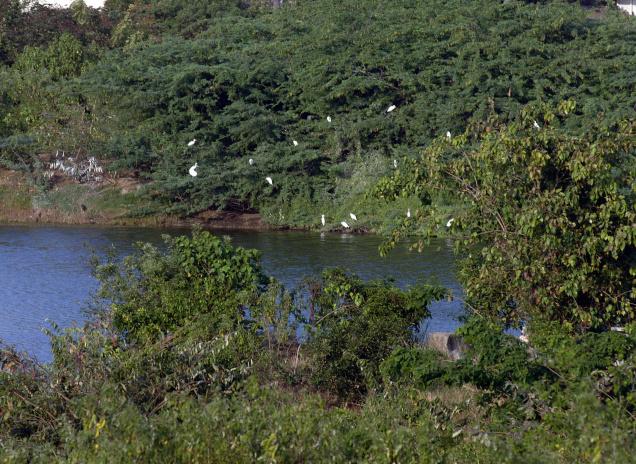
345	225
322	219
353	216
295	143
192	142
390	108
269	180
395	164
536	125
448	135
450	222
251	161
408	213
328	118
193	170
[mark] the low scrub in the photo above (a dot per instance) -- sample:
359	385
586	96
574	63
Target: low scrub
329	375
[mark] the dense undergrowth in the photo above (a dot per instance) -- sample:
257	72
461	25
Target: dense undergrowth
195	356
134	83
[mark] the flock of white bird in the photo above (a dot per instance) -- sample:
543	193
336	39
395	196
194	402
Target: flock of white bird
87	170
345	224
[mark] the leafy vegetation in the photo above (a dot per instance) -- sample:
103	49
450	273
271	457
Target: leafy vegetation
194	355
357	325
246	81
273	380
546	224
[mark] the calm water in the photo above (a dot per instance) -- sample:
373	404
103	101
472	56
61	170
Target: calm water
45	275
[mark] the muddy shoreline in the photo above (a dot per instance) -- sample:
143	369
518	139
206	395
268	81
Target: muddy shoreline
208	220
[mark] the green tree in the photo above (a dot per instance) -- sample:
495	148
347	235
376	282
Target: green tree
545	221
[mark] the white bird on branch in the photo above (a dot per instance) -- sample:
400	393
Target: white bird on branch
193	170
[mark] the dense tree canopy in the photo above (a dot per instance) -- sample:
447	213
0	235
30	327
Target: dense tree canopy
246	81
547	222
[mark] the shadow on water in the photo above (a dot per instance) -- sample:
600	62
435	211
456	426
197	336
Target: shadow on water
45	272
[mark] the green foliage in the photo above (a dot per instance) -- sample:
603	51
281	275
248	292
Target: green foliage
26	23
546	222
356	325
62	59
494	361
154	294
209	391
247	81
414	366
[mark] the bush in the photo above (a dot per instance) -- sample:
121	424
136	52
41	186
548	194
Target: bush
493	361
357	325
416	366
153	294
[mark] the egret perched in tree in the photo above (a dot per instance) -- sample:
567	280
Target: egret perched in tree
295	143
322	219
395	164
353	216
269	180
408	213
536	125
328	118
450	222
345	225
448	135
192	142
251	161
193	170
390	108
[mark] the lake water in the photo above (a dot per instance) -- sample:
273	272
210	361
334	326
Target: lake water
45	272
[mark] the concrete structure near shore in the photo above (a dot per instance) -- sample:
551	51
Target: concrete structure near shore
447	343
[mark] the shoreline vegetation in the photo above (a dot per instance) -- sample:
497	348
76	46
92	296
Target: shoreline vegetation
129	86
509	126
194	355
103	203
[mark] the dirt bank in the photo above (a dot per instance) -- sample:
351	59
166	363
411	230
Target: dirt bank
105	203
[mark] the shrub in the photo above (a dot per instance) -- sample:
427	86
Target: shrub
357	325
416	366
153	293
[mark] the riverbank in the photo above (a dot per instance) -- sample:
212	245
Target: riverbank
114	202
121	202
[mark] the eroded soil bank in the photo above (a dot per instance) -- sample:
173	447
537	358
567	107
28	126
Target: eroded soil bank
109	202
